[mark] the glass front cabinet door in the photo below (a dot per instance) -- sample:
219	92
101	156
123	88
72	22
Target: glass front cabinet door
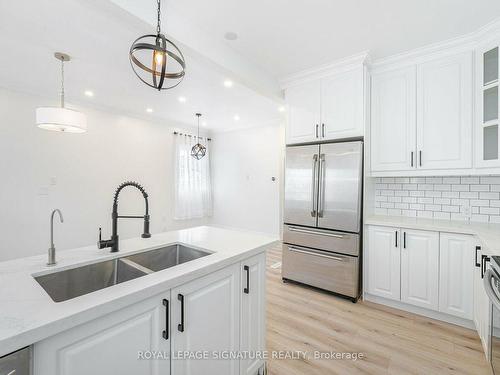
487	106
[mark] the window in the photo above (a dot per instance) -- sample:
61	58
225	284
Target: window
193	187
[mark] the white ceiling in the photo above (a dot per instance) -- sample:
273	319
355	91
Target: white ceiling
98	34
275	38
287	36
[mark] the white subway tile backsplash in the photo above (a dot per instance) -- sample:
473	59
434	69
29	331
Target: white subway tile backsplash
442	215
437	197
490	210
489	195
451	180
469	180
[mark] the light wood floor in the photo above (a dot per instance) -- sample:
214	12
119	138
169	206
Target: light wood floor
392	341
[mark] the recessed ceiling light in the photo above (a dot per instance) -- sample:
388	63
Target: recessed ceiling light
281	108
236	118
230	35
182	99
228	83
149	110
89	93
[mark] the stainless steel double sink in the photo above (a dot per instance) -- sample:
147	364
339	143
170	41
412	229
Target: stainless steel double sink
74	282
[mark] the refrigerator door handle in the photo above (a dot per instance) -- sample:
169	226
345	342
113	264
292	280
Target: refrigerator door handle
321	182
313	183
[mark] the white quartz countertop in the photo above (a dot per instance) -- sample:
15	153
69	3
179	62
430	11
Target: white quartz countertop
487	234
28	314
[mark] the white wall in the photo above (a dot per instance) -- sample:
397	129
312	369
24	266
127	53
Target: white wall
244	163
78	173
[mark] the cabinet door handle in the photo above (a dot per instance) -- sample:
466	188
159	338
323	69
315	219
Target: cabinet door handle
484	259
322	130
165	332
420	157
317	127
404	240
396	232
180	326
475	258
246	290
412	158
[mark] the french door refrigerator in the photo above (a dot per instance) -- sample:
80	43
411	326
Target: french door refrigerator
322	216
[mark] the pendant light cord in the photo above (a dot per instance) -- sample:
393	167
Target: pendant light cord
158	25
62	83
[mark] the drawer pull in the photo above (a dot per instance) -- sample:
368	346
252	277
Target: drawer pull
300	230
332	257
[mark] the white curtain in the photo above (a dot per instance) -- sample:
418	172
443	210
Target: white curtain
193	187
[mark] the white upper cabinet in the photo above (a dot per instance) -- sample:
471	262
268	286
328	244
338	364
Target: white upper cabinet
420	268
328	107
487	106
342	105
422	115
444	112
393	120
303	113
456	274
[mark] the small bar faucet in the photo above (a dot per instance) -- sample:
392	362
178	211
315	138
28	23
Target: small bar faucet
52	248
113	241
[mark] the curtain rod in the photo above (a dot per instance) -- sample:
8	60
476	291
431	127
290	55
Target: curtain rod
189	135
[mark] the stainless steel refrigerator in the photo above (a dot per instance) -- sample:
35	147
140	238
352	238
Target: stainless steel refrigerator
322	216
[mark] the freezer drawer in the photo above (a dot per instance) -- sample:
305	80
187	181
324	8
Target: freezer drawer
17	363
337	242
334	272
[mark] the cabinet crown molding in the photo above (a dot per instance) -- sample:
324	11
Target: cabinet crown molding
336	67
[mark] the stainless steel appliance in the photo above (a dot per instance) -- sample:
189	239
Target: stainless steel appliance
17	363
322	218
492	287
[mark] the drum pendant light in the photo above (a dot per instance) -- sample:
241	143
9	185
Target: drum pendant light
198	151
60	118
157	61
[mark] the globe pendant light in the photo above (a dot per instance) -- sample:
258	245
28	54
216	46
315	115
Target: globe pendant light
198	151
157	61
60	118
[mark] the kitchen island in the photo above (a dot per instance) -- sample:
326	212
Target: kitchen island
214	303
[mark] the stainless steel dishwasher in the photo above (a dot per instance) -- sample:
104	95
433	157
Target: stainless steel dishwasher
17	363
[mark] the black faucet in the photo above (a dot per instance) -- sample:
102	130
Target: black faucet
113	241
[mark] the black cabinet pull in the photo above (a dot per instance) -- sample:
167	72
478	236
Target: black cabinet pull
165	332
396	238
412	158
247	289
475	258
420	157
317	127
323	130
484	259
404	240
180	326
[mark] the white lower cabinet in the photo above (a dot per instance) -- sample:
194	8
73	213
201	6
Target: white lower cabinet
420	268
109	345
456	275
214	316
253	312
206	317
383	261
427	269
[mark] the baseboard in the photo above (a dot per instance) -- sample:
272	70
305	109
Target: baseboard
420	311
